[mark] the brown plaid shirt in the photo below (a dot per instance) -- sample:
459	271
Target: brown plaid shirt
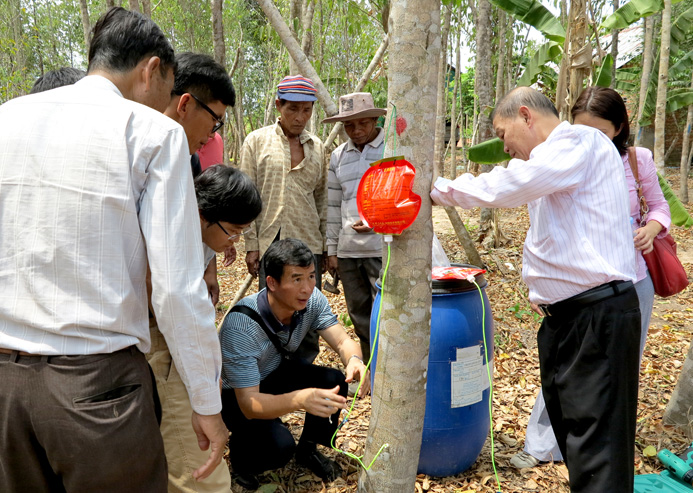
293	200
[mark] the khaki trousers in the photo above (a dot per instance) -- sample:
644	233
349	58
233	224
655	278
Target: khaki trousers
180	442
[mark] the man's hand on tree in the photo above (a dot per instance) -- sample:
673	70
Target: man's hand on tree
354	371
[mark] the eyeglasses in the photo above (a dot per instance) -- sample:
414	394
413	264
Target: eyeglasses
236	236
219	122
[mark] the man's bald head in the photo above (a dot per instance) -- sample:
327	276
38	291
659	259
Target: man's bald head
509	106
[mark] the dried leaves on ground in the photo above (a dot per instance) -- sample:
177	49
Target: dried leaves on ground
516	374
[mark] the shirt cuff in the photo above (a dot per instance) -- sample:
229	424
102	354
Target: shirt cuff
331	250
442	184
207	403
252	245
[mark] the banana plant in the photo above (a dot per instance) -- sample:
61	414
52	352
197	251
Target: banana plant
632	12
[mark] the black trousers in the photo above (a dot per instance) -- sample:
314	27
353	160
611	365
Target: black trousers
589	377
259	445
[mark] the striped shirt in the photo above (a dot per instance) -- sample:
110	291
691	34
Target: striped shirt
247	353
347	166
92	187
293	199
575	189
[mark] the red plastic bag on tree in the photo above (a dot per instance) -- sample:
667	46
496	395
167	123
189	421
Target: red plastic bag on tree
385	198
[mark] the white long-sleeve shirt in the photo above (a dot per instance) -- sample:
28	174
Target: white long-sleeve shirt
92	187
574	186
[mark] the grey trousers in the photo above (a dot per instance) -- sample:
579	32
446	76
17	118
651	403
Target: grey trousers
79	424
540	441
359	276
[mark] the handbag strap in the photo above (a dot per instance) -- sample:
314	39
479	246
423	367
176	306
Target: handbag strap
633	161
249	312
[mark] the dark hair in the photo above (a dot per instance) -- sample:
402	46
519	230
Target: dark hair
64	76
225	193
282	102
122	39
509	105
202	76
605	103
286	252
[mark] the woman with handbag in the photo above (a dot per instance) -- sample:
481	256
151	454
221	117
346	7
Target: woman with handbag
604	109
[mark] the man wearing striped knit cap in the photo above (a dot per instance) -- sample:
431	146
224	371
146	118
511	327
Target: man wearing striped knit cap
288	166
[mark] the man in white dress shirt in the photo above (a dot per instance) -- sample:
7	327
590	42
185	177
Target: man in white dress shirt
94	185
578	265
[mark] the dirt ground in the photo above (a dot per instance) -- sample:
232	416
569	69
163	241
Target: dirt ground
516	372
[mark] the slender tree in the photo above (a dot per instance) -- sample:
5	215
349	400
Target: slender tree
86	25
441	102
663	79
399	395
685	149
647	57
614	48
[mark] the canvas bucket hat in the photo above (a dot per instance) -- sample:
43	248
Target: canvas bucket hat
354	106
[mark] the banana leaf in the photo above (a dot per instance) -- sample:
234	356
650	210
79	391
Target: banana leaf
488	152
536	15
679	215
604	76
548	52
679	99
632	12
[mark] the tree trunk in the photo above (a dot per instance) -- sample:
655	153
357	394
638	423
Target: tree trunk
500	84
294	22
679	410
86	26
219	46
110	3
663	79
580	52
463	236
147	8
647	57
134	5
441	100
685	158
294	49
39	48
18	37
399	395
483	77
454	111
614	49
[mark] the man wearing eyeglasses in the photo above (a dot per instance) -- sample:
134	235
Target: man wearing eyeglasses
227	202
103	192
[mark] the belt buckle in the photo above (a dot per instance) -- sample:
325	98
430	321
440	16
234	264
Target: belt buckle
545	310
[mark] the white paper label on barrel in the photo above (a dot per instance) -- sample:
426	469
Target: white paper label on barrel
468	377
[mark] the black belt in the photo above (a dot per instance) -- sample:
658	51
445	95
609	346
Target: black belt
589	297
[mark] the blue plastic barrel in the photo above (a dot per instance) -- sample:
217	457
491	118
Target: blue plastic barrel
455	426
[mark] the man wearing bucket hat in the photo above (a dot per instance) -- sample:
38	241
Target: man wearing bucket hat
287	164
354	250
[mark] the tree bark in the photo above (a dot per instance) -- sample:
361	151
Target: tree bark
614	49
685	158
294	21
147	8
679	410
134	5
463	236
219	47
86	26
294	49
454	111
647	57
580	52
662	80
441	100
399	395
110	3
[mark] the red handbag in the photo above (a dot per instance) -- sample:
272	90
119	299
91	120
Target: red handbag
668	275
